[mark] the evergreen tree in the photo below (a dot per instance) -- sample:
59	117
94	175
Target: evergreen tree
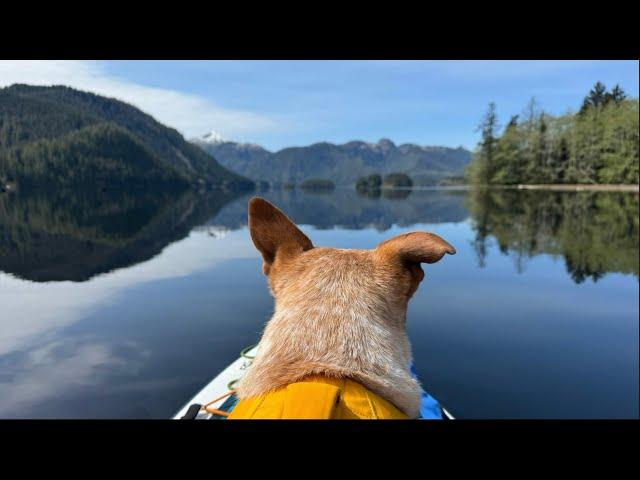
559	159
542	173
507	155
596	98
530	144
598	145
617	95
483	169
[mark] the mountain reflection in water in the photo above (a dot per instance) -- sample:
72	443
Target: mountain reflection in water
77	235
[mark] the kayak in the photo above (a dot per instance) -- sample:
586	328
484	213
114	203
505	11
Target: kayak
216	400
222	384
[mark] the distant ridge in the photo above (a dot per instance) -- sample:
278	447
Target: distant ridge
343	164
58	136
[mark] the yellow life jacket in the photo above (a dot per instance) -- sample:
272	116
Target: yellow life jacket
317	397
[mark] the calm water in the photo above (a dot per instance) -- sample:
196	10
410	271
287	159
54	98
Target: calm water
115	305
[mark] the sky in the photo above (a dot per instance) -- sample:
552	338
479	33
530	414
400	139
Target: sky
278	104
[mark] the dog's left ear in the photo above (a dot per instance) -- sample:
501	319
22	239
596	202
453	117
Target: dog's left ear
273	233
414	248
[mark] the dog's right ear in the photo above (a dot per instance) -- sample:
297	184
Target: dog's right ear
414	248
272	232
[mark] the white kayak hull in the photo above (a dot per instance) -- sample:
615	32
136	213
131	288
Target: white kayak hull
219	386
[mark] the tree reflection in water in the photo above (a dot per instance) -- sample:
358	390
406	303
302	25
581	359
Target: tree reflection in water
595	232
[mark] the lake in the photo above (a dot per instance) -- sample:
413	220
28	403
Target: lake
123	305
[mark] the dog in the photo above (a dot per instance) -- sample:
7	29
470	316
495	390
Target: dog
339	313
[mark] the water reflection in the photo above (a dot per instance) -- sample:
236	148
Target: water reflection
344	208
163	290
77	235
595	232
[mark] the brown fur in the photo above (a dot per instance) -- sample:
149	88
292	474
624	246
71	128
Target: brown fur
339	313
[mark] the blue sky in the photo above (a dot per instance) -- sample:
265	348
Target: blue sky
285	103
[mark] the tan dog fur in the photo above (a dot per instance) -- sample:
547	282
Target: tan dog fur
339	313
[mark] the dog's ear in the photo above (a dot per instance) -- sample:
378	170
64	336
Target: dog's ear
414	248
272	231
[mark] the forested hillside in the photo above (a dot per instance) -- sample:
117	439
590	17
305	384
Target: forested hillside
58	136
598	144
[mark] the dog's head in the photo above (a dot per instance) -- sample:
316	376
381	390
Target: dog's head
327	280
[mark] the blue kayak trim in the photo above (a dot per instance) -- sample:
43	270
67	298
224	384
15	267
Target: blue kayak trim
429	407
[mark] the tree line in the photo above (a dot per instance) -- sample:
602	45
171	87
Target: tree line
598	144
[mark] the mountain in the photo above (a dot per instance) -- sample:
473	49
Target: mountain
57	136
343	164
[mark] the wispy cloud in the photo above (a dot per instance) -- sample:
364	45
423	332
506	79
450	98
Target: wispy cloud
25	319
56	366
190	114
282	103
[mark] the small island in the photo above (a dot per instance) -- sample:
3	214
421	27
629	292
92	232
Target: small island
372	182
393	185
377	182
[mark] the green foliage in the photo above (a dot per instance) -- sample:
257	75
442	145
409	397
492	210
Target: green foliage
58	136
597	145
95	156
483	166
507	167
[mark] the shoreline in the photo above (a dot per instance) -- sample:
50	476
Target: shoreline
570	187
579	187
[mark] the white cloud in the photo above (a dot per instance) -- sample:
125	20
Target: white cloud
28	312
37	363
57	366
191	115
41	373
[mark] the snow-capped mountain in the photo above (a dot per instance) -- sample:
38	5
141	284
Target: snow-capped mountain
212	137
